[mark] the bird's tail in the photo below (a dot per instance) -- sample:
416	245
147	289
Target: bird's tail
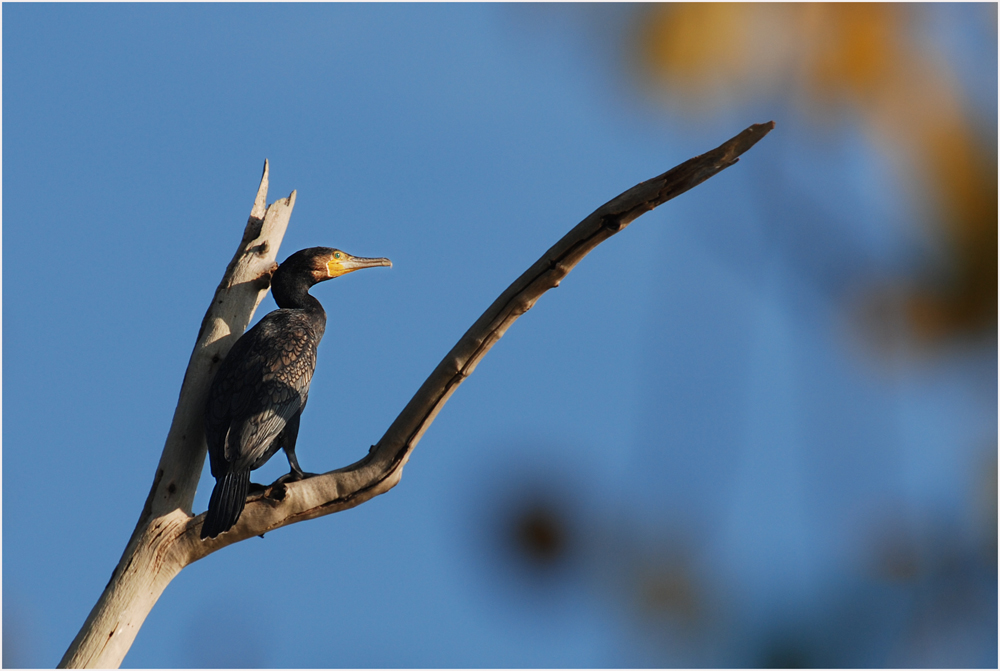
226	504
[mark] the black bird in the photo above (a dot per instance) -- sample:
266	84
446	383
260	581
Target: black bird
260	390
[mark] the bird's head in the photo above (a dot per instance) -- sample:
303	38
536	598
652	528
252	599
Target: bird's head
325	263
304	268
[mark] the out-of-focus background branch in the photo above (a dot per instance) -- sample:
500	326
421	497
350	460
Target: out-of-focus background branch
786	457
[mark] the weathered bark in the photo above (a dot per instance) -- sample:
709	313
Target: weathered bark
150	559
167	536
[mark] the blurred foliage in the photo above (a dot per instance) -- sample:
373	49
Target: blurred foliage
540	534
919	595
868	62
786	654
669	588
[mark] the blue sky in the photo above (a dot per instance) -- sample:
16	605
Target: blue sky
689	400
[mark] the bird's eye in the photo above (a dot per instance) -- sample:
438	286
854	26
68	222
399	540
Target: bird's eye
337	255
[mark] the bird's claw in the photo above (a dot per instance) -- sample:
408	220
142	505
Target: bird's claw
294	477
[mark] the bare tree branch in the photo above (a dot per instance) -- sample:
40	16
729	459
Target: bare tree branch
382	468
144	569
167	537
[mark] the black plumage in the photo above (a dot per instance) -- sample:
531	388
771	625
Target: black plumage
260	390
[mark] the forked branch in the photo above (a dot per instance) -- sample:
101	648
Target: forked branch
382	468
149	561
167	537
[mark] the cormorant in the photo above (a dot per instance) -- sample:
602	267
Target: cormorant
261	388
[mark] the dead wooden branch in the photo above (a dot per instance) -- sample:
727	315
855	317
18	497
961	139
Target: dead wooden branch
150	560
167	536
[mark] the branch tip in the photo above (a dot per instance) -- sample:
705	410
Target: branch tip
260	201
162	547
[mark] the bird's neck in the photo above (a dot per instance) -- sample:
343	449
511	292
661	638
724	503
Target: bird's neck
303	301
294	294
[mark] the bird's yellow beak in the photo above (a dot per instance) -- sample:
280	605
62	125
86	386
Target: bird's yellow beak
342	263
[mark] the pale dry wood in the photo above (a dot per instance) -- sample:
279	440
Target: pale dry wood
382	468
171	541
150	559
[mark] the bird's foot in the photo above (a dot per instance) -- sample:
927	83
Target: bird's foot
293	477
